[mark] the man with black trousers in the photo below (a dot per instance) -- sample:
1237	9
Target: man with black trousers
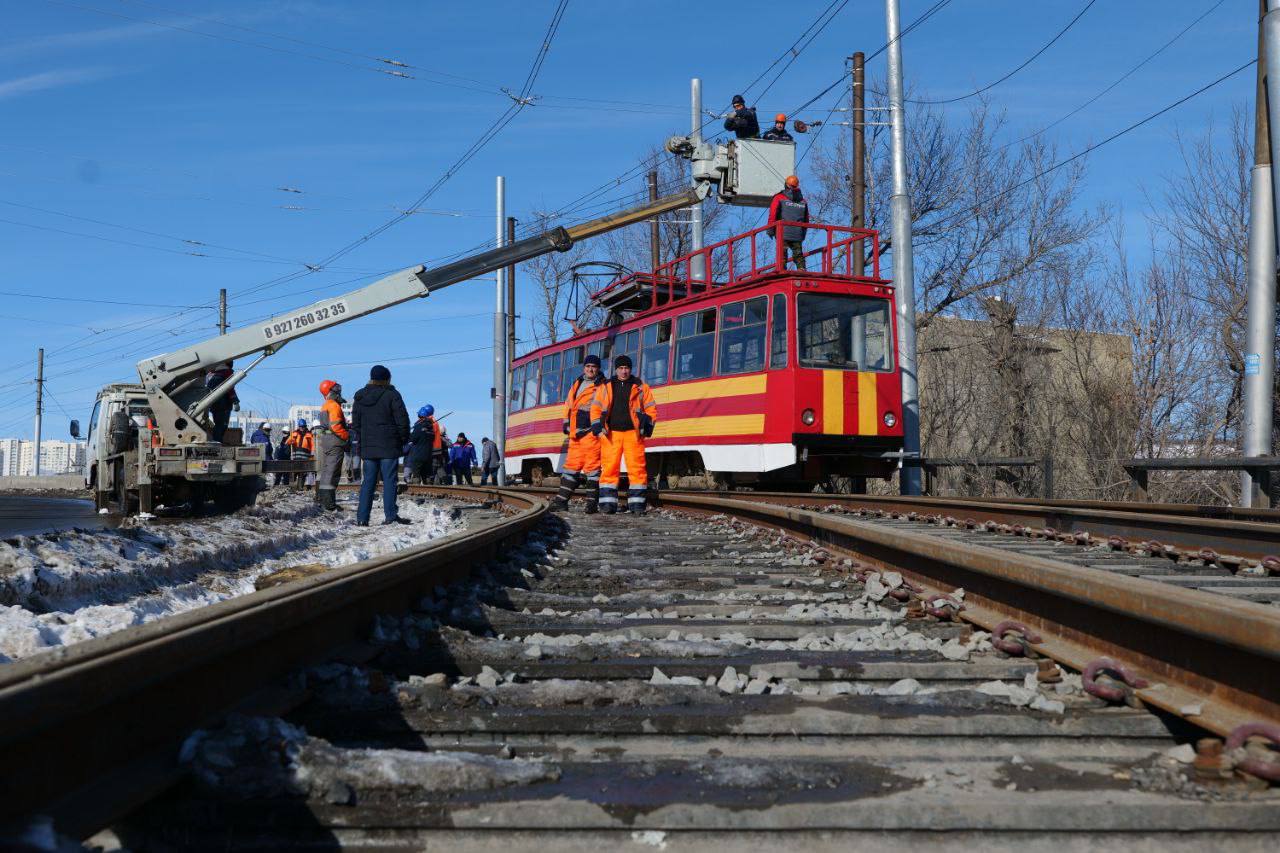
380	422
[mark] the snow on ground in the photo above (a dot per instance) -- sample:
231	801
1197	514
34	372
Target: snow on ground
58	589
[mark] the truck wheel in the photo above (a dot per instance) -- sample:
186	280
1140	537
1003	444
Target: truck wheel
125	503
237	494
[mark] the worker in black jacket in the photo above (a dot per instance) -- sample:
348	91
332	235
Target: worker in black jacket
778	133
742	120
380	423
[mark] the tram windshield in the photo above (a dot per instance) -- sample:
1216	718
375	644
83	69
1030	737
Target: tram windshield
844	332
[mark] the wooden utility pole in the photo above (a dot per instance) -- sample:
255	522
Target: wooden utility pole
858	181
511	296
655	252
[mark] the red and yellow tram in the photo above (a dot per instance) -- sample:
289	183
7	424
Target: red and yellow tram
762	374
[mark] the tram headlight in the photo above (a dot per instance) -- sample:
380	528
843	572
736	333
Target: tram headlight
890	419
807	417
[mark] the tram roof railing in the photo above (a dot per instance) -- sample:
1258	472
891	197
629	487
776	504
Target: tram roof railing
744	259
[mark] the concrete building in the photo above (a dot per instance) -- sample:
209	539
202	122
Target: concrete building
17	457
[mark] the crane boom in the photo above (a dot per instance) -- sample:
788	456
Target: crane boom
174	381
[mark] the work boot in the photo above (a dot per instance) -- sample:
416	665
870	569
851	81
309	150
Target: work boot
593	506
559	504
397	520
637	509
609	509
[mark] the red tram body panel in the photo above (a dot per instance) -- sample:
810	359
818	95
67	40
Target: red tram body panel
762	374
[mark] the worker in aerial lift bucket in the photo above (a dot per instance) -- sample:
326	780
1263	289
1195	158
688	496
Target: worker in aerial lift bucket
623	414
778	133
334	439
582	459
789	206
742	121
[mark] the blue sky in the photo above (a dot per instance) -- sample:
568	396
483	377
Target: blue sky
112	110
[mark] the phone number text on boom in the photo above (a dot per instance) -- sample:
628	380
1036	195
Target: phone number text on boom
317	316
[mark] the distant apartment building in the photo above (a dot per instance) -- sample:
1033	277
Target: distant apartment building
17	457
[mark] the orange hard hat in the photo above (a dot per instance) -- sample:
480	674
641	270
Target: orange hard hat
780	117
326	386
793	181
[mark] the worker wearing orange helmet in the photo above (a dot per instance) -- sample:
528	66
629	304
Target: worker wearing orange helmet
582	459
789	208
778	133
623	414
333	438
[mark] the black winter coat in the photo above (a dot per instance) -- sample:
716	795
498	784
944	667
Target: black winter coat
743	122
423	438
380	422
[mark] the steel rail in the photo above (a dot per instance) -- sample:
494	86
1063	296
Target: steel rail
1209	659
1184	526
82	728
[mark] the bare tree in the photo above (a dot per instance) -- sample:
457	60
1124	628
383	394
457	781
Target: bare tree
985	215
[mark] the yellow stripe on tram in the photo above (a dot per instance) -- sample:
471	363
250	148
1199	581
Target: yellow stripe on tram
867	404
833	402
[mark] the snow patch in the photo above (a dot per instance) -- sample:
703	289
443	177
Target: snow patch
61	588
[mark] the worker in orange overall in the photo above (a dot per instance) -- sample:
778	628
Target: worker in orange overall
623	414
582	461
333	440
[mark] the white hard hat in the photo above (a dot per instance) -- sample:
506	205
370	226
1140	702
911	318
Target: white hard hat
264	425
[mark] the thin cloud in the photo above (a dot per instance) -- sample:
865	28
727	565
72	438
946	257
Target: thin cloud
77	40
46	80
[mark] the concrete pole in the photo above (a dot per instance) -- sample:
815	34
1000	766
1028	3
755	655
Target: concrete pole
511	304
1260	341
695	212
903	272
222	311
858	179
39	406
655	252
500	339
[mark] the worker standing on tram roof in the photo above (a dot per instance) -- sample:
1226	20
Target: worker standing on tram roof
778	133
742	121
789	206
582	460
334	441
623	414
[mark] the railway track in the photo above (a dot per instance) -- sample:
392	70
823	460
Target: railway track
731	671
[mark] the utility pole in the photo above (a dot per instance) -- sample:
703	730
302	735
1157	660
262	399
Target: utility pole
655	252
39	405
699	265
858	181
511	310
222	311
1260	343
903	271
500	339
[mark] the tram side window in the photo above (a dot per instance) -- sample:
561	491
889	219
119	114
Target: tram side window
695	345
516	386
655	361
600	349
550	392
778	333
742	336
570	367
628	344
530	385
844	332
